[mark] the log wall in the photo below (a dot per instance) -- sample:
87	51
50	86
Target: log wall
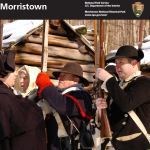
61	49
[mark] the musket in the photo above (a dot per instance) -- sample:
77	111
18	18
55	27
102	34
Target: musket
105	126
140	34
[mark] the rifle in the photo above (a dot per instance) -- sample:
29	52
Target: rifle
105	127
141	29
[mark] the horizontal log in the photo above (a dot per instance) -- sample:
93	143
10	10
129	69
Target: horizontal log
62	42
83	50
51	36
57	63
31	59
69	53
58	37
29	48
88	68
90	38
54	51
53	41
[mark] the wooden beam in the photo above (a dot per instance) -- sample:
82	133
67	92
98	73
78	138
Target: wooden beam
45	45
141	29
1	34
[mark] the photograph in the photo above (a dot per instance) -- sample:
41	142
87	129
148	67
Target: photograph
75	78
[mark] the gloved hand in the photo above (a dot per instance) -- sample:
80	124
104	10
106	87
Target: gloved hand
43	81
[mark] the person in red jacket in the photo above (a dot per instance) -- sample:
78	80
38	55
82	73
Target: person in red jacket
70	86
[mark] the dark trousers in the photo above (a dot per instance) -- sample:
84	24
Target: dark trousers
70	144
65	143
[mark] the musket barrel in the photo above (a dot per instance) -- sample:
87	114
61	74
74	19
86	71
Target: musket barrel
105	126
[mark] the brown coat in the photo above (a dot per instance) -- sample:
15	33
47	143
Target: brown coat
21	123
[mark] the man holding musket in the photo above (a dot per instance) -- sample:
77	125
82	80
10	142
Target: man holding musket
129	113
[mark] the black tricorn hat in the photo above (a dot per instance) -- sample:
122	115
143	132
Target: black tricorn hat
7	62
129	52
74	69
111	68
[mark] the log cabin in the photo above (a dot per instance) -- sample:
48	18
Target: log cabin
65	44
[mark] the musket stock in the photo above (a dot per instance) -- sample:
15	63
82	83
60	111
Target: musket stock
105	126
102	116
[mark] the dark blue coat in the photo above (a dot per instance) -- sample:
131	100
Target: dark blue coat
64	106
135	96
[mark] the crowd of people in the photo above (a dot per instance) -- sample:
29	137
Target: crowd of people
63	117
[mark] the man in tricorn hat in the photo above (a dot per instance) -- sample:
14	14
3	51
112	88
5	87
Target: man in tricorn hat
20	119
70	86
131	98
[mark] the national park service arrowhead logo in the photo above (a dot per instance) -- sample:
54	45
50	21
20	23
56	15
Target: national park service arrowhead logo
138	9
